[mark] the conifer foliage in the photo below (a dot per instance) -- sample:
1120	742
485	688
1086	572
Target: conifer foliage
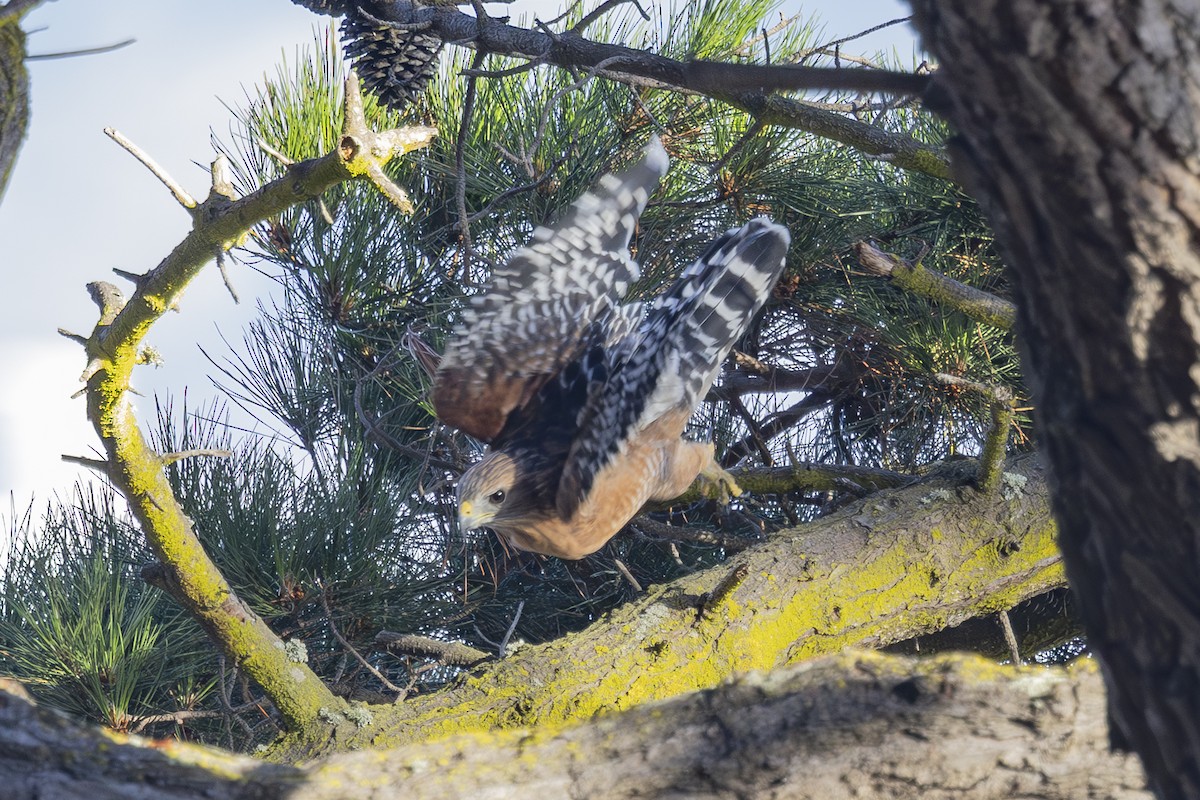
341	524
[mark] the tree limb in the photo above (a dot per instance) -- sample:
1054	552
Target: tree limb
894	565
847	726
746	86
977	304
138	472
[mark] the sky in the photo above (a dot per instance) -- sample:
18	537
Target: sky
78	206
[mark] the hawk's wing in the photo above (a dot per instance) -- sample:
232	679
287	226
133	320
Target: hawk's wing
535	316
670	361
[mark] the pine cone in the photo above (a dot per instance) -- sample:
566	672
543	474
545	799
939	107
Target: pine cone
394	64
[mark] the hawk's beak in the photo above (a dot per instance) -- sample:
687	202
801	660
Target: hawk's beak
468	520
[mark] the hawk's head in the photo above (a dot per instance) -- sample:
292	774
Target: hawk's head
488	495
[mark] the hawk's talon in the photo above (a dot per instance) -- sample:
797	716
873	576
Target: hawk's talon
718	484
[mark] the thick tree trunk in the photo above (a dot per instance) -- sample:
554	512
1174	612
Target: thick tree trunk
856	725
1079	123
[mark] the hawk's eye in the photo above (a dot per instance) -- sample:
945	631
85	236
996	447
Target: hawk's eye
497	497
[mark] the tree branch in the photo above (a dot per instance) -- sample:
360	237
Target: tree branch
826	729
138	471
977	304
894	565
749	87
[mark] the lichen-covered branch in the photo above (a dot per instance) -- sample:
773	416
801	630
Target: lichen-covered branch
839	728
113	350
977	304
897	564
995	444
801	477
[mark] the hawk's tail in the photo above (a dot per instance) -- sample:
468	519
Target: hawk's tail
708	309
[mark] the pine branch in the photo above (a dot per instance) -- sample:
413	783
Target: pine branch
749	87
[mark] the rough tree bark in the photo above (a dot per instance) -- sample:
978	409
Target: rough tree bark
1078	127
852	726
14	89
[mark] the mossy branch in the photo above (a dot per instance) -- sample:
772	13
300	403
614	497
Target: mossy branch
995	445
897	564
799	478
914	277
113	350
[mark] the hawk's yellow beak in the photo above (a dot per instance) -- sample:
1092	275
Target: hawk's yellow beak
467	520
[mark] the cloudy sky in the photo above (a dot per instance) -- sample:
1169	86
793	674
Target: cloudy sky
78	206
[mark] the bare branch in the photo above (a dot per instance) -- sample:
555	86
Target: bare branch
1010	638
349	648
138	472
838	42
171	458
995	446
87	51
182	196
625	573
91	463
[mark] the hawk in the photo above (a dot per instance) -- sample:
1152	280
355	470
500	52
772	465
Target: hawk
582	398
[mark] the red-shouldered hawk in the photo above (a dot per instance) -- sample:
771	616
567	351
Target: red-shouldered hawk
583	399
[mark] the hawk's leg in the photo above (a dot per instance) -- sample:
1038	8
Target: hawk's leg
716	481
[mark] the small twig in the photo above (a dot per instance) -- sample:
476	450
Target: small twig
995	445
406	27
1010	638
287	162
658	530
171	458
501	73
754	130
375	431
553	103
508	634
349	647
87	51
135	278
914	277
179	717
837	43
711	600
745	49
755	434
181	195
603	9
624	570
91	463
231	711
74	337
221	268
460	169
546	175
751	364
